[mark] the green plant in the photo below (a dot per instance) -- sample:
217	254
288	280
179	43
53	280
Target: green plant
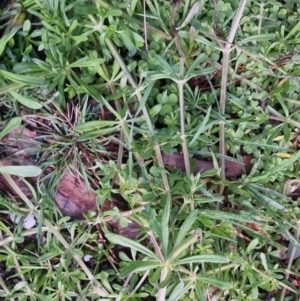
108	87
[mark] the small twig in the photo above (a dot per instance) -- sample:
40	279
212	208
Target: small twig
145	27
156	246
216	14
175	33
288	268
140	283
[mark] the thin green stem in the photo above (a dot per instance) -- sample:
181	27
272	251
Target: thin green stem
283	285
140	283
130	19
132	82
182	129
223	94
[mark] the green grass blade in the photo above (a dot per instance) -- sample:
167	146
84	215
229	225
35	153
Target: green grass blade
93	125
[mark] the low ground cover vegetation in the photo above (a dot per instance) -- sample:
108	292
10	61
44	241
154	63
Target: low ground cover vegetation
149	150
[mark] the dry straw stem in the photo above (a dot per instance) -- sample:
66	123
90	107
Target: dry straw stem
225	66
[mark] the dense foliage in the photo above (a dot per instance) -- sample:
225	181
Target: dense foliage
109	85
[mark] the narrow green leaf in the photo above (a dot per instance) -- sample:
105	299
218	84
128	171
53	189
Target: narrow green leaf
262	145
62	10
164	64
201	127
186	226
168	277
293	31
153	75
86	62
84	9
21	171
4	40
285	164
180	248
29	103
226	216
93	125
113	13
216	282
138	266
88	135
126	38
264	262
27	67
200	293
192	13
271	202
271	212
177	290
180	290
22	79
203	258
142	103
202	71
252	245
154	110
13	123
11	87
196	63
200	39
125	242
154	276
258	37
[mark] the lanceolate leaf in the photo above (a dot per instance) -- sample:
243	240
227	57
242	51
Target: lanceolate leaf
186	226
13	123
259	37
193	11
125	242
204	258
93	125
22	79
138	266
21	171
183	246
7	37
25	101
88	135
216	282
85	62
179	291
